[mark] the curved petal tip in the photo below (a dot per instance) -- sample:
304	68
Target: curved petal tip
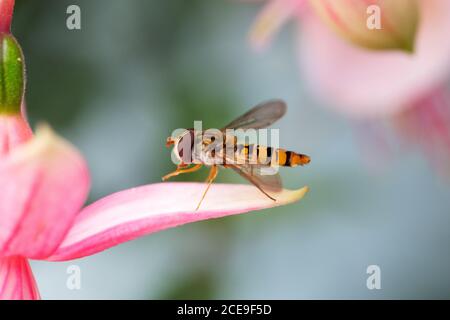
270	19
128	214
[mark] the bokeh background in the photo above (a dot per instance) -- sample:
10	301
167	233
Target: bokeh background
139	69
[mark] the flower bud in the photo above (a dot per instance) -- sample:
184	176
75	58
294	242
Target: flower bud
12	75
375	24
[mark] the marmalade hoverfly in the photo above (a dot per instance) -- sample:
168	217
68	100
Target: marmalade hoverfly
251	161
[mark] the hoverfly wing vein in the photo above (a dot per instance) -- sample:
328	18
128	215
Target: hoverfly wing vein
252	173
260	116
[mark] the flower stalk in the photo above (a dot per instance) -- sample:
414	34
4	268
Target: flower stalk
6	12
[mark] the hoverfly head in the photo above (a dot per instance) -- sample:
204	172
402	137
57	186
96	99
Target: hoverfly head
183	145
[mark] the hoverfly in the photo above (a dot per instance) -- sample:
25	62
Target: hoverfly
251	161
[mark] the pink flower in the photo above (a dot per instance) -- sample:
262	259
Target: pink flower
378	84
373	83
373	24
44	183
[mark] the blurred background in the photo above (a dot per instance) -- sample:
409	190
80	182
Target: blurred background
139	69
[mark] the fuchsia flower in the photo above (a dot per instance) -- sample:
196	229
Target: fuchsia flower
354	20
373	24
44	182
406	87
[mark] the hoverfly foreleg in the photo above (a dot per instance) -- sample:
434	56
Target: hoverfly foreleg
211	177
180	171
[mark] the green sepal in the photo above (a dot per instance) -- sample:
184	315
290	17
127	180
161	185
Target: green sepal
12	75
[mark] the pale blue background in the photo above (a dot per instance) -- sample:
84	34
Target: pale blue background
139	69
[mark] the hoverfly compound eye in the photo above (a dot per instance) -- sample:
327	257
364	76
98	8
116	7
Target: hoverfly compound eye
185	146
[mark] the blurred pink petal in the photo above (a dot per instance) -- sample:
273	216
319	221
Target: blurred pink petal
427	124
44	184
126	215
271	18
16	280
14	130
373	24
366	83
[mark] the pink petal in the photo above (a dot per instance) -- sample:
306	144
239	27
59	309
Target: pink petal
16	280
349	19
271	18
128	214
371	83
44	184
14	130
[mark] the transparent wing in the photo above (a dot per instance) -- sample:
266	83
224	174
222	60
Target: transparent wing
260	116
267	182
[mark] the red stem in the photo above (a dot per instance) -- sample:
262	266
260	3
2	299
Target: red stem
6	12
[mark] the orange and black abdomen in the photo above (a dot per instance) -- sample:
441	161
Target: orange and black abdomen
267	155
291	158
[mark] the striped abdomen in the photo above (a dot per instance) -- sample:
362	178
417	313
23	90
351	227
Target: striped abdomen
236	153
262	155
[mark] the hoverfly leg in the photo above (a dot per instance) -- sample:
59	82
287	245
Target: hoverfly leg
180	171
211	177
